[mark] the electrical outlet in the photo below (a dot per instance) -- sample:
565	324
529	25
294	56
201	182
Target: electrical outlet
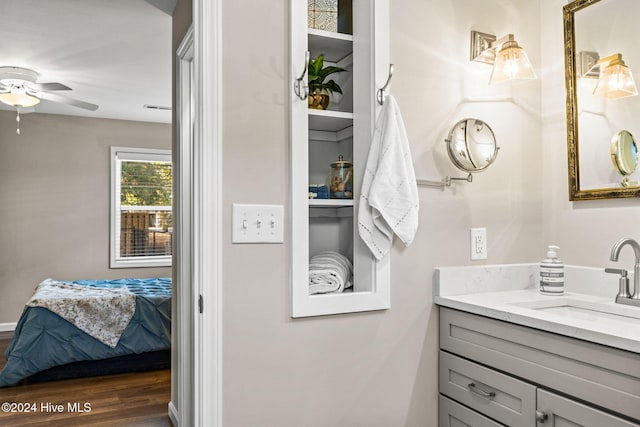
478	243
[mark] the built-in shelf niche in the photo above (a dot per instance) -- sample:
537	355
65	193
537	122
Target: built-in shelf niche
318	137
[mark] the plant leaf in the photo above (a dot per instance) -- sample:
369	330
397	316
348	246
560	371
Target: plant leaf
318	73
332	86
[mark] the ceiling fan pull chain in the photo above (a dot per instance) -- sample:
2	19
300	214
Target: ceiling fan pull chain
18	121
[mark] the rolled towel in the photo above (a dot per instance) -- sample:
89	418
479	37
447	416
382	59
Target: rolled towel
329	272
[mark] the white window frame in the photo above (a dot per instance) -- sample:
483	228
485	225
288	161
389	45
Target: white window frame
119	154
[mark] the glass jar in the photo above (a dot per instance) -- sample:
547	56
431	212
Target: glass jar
341	179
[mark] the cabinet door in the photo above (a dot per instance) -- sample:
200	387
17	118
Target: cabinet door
316	140
557	411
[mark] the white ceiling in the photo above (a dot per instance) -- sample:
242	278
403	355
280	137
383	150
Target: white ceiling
113	53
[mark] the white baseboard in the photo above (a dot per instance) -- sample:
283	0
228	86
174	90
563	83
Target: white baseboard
173	414
8	327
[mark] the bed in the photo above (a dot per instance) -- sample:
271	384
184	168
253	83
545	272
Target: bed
47	346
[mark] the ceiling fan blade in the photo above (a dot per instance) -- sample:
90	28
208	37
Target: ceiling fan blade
69	101
27	110
49	86
4	88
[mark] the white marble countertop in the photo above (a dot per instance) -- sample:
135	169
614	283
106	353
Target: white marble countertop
509	293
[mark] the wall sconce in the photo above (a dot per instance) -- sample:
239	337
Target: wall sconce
587	65
509	60
615	79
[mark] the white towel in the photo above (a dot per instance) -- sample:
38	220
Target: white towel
329	272
389	196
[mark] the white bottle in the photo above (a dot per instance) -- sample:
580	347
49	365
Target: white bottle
552	273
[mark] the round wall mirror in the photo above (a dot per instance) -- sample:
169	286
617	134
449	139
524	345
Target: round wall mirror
471	145
624	154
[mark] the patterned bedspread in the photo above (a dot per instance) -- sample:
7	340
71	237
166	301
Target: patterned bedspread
101	312
43	339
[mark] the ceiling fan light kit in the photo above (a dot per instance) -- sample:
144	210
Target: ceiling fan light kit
19	89
19	99
15	89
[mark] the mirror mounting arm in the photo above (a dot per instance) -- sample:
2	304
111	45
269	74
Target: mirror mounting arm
446	181
469	178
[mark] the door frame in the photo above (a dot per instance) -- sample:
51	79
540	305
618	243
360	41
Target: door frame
181	408
199	248
207	24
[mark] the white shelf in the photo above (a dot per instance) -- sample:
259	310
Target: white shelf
328	120
331	212
331	208
339	136
330	203
335	46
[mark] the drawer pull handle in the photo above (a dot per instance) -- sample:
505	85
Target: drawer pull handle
473	388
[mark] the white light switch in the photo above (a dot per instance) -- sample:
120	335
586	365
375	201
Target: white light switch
257	224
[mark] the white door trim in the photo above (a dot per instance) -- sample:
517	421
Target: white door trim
207	234
181	408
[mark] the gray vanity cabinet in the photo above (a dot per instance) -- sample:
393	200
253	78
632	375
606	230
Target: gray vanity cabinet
492	371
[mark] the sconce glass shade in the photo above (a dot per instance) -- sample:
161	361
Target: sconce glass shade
616	80
19	99
511	63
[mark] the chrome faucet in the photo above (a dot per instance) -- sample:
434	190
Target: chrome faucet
624	297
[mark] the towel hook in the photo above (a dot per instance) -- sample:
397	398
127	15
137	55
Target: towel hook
298	86
381	90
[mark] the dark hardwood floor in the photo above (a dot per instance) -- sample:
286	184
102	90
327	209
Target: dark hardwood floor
137	399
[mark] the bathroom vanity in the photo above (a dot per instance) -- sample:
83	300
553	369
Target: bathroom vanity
510	356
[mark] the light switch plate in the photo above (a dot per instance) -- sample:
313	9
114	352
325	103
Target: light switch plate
257	224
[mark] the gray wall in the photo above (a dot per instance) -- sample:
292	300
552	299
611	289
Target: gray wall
54	215
377	368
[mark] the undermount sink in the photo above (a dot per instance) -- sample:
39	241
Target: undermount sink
572	308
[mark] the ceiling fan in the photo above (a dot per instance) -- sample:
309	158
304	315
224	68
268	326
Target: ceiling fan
19	88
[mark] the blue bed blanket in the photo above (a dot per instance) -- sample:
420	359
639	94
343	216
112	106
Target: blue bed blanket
43	339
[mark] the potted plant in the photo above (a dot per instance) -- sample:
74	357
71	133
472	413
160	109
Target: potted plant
319	89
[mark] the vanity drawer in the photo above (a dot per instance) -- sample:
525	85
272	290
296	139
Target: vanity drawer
501	397
453	414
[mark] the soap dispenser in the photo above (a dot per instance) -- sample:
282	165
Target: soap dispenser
552	273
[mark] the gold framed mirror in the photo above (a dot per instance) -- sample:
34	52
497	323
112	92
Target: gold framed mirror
596	31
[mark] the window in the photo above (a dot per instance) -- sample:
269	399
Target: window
141	216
